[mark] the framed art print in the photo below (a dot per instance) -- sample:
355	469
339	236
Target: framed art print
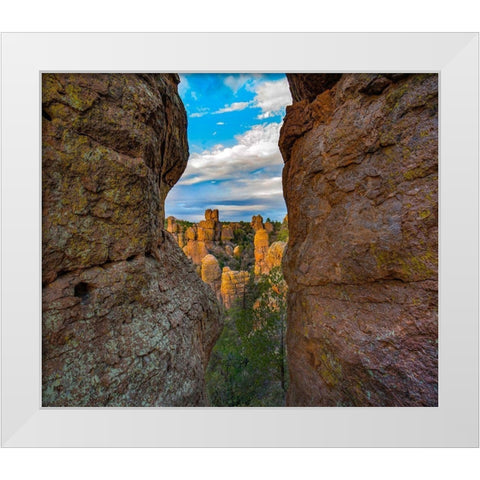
272	245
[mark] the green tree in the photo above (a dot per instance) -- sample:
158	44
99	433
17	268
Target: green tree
248	364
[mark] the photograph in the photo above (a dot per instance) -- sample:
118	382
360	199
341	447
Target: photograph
239	239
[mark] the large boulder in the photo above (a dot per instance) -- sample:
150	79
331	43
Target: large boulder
126	321
360	182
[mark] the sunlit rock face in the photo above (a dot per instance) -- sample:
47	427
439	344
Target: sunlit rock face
360	182
275	255
261	243
126	320
257	222
211	273
233	286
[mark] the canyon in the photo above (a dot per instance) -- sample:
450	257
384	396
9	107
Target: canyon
133	302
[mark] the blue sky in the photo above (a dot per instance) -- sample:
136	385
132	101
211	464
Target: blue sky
235	164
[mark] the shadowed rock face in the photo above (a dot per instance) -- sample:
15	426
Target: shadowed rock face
360	181
126	321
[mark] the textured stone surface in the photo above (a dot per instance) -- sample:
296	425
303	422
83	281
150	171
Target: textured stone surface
234	284
112	149
227	233
257	222
360	181
126	322
275	255
172	225
211	273
269	227
195	250
261	250
305	86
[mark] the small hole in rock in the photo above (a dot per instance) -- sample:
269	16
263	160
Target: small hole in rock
82	290
130	258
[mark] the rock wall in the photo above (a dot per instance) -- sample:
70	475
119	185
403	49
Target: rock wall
126	321
261	243
233	285
360	182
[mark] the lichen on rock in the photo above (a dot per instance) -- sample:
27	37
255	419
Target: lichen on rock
361	182
126	320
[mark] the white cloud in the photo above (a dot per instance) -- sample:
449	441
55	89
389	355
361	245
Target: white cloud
272	97
255	149
236	82
235	106
202	112
220	123
183	86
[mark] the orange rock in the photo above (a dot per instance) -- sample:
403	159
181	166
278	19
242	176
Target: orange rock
257	222
195	250
191	233
233	286
275	255
172	226
261	250
211	273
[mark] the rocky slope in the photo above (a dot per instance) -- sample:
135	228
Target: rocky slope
360	182
126	321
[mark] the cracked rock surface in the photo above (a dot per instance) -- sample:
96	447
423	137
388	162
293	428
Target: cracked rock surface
361	182
126	320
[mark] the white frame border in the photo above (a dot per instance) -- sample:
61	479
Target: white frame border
453	424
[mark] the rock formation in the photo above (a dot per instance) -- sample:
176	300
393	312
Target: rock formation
261	242
210	229
275	255
360	182
211	273
234	284
126	322
199	240
195	250
257	222
269	227
227	233
206	243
